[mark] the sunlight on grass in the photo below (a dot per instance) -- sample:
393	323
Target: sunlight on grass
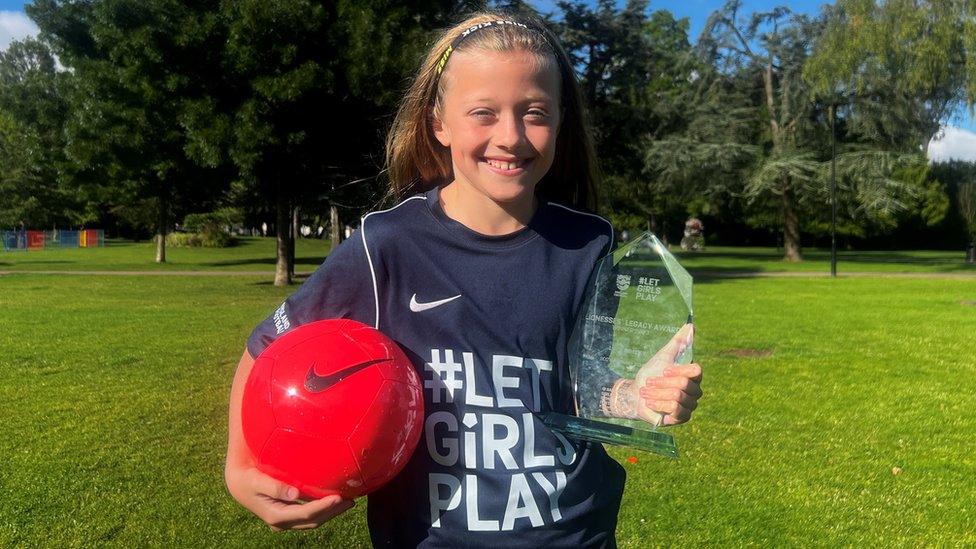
114	396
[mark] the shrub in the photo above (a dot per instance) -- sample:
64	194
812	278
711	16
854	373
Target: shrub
220	239
207	229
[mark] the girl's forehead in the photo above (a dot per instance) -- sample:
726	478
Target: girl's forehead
484	72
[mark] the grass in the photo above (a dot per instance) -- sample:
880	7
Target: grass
114	393
258	254
743	259
251	254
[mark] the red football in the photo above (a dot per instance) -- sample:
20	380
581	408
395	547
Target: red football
333	406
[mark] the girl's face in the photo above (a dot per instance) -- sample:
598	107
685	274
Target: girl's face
500	117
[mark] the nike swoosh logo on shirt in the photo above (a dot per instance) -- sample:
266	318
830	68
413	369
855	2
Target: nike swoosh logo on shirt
417	307
316	383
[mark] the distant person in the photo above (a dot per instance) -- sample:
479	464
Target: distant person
264	229
476	273
694	236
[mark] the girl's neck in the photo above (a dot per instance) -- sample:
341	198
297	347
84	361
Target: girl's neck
482	214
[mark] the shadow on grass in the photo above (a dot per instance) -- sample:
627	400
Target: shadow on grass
46	262
824	255
719	274
773	256
296	281
888	257
263	261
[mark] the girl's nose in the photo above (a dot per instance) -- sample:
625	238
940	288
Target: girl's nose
510	131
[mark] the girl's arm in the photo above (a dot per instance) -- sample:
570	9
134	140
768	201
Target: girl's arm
271	500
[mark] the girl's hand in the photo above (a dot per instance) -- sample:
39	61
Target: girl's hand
277	504
271	500
663	393
674	395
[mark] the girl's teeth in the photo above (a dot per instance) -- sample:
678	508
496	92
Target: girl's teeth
504	165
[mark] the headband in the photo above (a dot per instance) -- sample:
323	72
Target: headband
467	32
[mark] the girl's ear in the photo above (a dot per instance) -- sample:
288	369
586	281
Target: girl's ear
440	132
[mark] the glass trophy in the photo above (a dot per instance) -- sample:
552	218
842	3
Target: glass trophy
637	300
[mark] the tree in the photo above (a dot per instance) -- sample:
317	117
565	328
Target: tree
877	179
33	111
773	46
909	64
634	69
314	85
139	66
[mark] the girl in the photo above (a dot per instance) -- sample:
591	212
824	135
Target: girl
477	273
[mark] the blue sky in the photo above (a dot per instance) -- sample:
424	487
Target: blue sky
960	139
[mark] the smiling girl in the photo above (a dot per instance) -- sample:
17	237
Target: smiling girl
478	274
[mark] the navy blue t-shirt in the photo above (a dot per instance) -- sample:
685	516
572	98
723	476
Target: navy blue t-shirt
486	322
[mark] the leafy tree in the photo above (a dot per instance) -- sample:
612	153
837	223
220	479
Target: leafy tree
907	65
139	65
877	180
635	71
33	110
312	87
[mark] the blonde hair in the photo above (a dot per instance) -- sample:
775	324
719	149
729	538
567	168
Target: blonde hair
417	162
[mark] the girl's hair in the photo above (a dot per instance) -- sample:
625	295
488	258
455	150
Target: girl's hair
417	162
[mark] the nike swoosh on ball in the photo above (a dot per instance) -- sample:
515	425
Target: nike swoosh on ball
316	383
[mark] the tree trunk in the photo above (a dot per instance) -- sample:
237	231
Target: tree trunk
282	230
334	226
791	228
161	225
295	233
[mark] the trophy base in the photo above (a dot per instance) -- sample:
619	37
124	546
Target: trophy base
610	433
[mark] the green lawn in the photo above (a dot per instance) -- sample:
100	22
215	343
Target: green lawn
114	394
743	259
251	254
258	254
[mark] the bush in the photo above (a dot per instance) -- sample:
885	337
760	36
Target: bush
207	230
220	239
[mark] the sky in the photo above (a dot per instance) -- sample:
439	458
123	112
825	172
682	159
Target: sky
958	139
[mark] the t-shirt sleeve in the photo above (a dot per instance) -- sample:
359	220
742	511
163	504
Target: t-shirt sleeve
342	287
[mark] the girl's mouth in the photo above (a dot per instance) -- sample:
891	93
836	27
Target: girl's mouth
507	168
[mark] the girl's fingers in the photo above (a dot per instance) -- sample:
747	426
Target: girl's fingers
680	415
666	407
680	383
285	516
668	400
270	487
690	371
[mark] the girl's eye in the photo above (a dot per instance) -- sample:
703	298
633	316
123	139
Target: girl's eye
537	114
484	115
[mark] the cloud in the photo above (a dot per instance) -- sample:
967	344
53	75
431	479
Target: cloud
15	25
955	143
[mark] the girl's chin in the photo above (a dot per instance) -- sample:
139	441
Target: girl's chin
511	193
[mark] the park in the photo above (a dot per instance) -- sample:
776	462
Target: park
835	302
